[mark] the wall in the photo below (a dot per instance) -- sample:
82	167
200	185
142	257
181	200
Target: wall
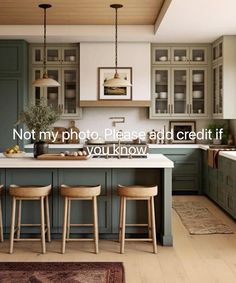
94	55
233	128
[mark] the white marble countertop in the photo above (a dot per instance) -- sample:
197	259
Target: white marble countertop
61	145
229	154
152	161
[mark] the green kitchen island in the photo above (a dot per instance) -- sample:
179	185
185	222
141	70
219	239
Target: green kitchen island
155	169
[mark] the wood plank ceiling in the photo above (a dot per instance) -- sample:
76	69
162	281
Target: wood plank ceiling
79	12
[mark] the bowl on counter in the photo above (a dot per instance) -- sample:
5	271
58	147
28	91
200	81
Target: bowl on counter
198	78
197	94
163	95
14	155
179	95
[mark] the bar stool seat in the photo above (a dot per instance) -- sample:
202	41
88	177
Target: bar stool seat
1	225
137	192
24	193
71	193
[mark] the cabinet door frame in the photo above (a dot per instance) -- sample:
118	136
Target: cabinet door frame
173	114
154	61
76	62
173	62
153	104
191	59
205	69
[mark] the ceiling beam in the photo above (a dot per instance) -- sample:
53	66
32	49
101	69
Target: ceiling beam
161	14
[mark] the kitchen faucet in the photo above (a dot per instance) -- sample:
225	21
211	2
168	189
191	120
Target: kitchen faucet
118	120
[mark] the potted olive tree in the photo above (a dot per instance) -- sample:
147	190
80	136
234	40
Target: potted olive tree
39	118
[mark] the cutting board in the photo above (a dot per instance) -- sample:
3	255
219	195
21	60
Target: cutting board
57	156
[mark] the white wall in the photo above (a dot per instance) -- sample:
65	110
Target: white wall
94	55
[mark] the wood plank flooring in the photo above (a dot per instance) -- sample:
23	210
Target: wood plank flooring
200	259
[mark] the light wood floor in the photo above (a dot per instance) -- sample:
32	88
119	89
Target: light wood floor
200	259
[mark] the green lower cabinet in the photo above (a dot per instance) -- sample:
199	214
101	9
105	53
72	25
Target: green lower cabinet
187	168
136	210
222	185
82	211
31	209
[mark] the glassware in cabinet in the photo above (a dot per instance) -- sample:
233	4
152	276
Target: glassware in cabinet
180	55
198	91
70	55
180	91
53	55
198	55
161	55
161	91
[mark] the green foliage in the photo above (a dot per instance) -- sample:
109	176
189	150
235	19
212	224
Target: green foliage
214	126
39	117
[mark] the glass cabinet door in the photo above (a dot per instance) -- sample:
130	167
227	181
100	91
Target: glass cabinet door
53	93
218	89
180	55
70	55
161	83
161	55
198	55
220	107
53	55
198	86
37	92
217	50
180	103
37	55
70	92
215	90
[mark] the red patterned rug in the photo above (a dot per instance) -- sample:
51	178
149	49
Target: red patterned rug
66	272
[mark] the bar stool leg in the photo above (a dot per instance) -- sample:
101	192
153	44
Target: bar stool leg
48	219
68	219
43	226
154	240
19	219
1	225
122	247
120	218
13	214
149	220
64	225
95	223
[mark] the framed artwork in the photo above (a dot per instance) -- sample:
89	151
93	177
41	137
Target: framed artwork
181	130
117	93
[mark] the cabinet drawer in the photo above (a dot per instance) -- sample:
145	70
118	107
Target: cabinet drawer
185	183
186	167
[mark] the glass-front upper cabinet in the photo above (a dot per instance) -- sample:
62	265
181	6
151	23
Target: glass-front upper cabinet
218	90
217	50
180	91
56	55
198	90
161	91
69	92
161	55
198	55
52	93
179	55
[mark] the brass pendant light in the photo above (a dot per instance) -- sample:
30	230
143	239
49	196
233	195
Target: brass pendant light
45	81
117	81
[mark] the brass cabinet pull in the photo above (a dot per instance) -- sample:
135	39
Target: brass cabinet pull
187	108
169	108
172	109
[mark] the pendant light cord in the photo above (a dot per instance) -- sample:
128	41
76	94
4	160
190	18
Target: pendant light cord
116	41
44	43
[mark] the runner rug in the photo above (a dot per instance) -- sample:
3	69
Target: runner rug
66	272
199	220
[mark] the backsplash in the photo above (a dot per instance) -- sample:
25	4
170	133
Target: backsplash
136	119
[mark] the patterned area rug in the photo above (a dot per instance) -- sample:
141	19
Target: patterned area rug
199	220
66	272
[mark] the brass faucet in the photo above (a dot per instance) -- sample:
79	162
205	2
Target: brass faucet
118	120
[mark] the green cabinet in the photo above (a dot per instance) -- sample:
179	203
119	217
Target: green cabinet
81	211
13	87
187	168
221	185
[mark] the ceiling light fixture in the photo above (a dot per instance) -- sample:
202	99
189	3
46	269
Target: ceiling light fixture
117	81
45	81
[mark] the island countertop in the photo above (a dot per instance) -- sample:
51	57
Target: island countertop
152	161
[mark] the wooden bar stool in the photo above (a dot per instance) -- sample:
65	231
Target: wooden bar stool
1	225
79	193
137	193
25	193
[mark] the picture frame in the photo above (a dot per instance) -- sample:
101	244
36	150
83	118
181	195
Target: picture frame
107	93
182	126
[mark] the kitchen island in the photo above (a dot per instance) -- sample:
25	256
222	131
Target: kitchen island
155	169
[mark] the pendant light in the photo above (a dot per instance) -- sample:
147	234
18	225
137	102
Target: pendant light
117	81
45	81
